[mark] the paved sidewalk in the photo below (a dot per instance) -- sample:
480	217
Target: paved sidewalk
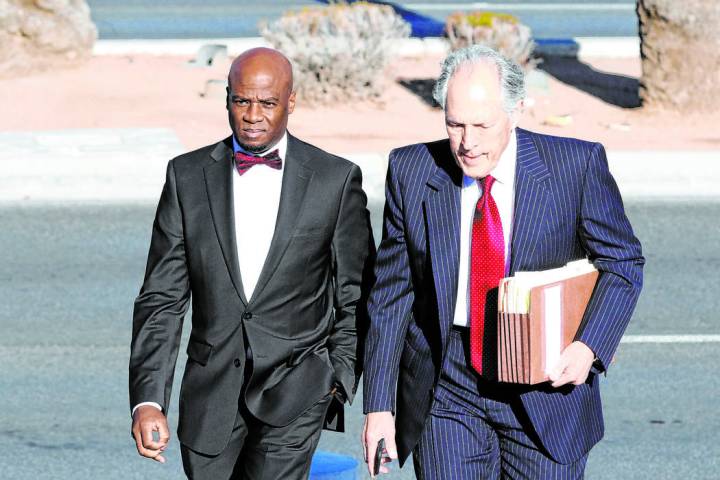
128	164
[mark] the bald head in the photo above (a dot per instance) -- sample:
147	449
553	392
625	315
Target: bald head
262	60
259	98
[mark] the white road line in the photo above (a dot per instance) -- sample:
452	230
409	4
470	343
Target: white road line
622	7
670	339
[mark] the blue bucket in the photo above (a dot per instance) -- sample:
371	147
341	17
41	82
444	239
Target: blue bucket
333	466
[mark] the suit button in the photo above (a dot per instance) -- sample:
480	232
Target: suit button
236	362
247	315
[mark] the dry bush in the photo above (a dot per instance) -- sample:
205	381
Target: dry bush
338	51
37	35
499	31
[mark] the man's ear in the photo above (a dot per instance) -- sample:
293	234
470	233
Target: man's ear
517	114
227	98
291	102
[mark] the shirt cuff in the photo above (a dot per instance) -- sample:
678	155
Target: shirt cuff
156	405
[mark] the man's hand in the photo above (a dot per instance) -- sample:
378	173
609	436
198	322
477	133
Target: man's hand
146	420
379	425
573	366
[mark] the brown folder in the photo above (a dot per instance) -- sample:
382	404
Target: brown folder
530	343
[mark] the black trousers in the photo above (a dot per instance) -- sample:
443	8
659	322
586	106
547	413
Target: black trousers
257	451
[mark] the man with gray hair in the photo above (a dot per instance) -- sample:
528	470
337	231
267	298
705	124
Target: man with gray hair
462	213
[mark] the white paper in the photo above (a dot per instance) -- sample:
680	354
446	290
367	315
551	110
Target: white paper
553	325
515	293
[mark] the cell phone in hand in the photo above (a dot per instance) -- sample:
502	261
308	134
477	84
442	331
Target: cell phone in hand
380	454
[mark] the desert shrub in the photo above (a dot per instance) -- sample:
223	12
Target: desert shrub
500	31
338	51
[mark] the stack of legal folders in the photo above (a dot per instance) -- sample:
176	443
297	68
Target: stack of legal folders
539	314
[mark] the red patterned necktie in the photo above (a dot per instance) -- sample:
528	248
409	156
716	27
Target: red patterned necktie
487	268
243	161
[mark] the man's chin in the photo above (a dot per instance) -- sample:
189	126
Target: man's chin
478	170
252	147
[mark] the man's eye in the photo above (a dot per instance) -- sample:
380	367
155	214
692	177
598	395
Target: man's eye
269	104
241	101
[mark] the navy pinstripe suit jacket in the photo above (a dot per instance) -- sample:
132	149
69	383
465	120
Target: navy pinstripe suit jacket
567	206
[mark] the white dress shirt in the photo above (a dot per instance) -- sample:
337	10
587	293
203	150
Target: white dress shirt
256	199
503	192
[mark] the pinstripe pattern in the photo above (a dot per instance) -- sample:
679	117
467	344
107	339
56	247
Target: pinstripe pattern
474	434
567	206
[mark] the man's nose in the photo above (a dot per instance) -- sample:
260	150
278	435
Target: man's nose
470	139
253	113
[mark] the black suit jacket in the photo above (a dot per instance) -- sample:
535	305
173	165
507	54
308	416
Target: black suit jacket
301	320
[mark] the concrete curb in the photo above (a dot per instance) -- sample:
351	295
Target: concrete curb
128	165
173	46
235	46
610	47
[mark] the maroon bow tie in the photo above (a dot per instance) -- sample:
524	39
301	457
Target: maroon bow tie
243	161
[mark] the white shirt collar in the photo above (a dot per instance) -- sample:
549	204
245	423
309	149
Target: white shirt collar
504	171
281	147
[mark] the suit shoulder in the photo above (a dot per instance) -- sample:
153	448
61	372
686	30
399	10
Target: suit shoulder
320	159
418	156
546	142
194	159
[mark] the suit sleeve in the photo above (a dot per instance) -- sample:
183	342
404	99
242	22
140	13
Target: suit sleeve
389	305
161	304
612	246
352	250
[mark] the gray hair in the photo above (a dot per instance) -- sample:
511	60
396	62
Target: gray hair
512	78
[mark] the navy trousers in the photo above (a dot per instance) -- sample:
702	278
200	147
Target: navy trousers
478	429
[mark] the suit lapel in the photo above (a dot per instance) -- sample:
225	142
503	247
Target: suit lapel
531	195
295	181
442	209
218	182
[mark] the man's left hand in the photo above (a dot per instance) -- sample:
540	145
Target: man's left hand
573	366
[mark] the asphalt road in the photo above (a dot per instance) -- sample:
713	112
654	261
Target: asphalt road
132	19
70	274
239	18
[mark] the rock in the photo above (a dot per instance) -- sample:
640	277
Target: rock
680	50
214	88
621	127
40	34
208	54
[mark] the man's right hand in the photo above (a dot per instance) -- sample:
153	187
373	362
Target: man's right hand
379	425
146	420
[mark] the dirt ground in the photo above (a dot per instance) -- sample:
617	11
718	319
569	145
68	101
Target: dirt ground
595	99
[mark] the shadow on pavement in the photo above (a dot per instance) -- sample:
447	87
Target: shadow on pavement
618	90
422	87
